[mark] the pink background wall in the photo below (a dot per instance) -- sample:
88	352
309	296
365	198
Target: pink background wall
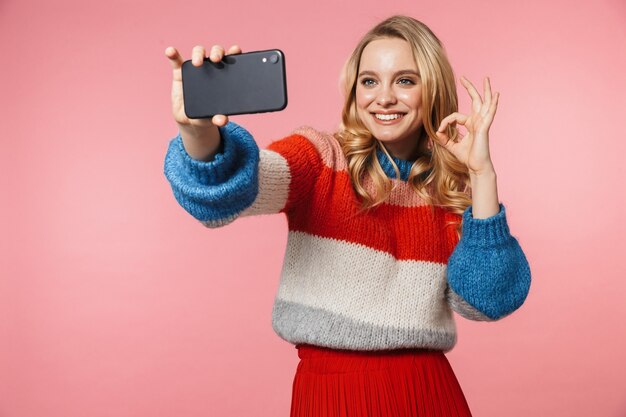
114	302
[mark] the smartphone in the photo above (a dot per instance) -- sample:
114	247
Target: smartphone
253	82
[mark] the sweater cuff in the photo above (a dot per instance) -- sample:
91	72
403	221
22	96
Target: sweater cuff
236	145
218	190
489	232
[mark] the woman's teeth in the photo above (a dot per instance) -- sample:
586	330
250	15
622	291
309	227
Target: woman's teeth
388	116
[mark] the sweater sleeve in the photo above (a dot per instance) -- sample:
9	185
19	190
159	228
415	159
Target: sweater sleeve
488	274
241	180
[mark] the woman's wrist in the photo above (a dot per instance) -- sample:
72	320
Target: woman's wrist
201	143
485	201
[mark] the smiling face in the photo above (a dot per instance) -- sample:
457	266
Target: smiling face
389	95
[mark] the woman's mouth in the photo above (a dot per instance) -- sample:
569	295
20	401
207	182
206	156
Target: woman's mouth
388	119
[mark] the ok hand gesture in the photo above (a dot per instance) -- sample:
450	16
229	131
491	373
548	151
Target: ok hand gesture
473	148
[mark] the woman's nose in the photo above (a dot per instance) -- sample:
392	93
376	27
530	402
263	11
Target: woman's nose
386	96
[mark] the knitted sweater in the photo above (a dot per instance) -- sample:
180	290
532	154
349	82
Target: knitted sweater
388	278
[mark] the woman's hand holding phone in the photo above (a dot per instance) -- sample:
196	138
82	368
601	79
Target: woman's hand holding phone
200	136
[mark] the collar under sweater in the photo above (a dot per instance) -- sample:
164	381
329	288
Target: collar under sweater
403	165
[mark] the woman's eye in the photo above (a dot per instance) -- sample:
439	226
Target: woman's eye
370	81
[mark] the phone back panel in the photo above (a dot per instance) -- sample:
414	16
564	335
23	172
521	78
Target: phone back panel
253	82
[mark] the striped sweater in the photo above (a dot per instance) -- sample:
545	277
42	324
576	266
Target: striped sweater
388	278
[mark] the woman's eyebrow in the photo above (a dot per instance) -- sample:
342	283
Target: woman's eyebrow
401	72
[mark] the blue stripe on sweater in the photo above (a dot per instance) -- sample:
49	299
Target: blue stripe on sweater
488	267
221	188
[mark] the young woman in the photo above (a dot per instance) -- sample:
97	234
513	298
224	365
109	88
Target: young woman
394	222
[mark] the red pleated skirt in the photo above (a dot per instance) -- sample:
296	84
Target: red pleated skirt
398	383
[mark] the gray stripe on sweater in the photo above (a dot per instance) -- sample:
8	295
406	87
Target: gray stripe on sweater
458	304
297	323
213	224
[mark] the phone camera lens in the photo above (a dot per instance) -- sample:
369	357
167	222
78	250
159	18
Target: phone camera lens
274	59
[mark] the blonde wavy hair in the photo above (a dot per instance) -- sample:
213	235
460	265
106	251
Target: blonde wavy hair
436	175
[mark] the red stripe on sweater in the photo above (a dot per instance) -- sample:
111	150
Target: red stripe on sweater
322	202
331	210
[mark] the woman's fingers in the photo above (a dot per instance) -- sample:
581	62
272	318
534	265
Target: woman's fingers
219	120
477	102
217	53
491	112
175	59
487	95
494	104
455	117
197	55
235	49
486	108
452	119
